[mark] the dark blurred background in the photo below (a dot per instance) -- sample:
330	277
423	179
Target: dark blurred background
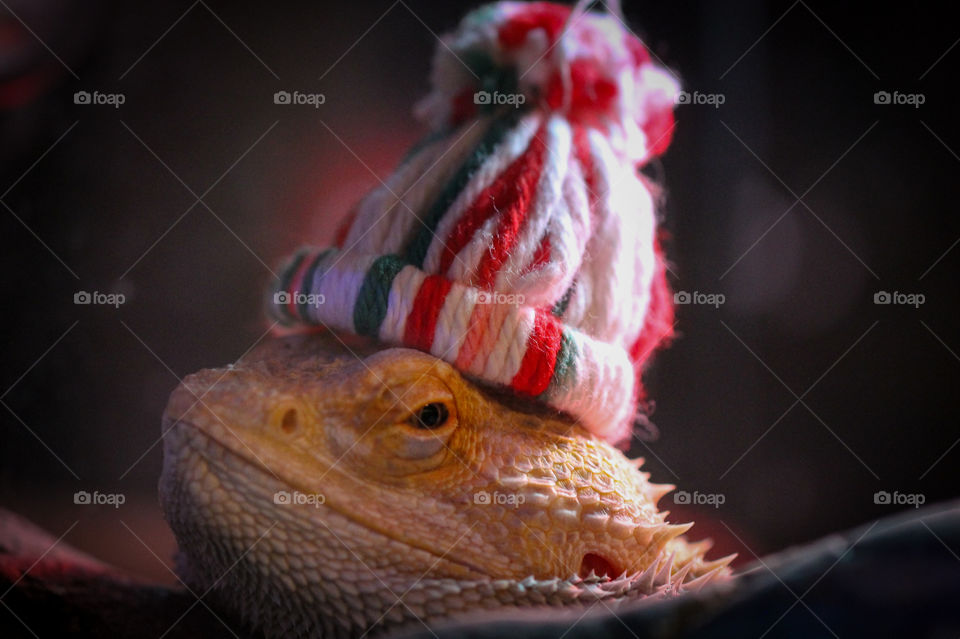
798	199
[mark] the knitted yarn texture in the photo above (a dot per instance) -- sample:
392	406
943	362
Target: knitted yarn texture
517	241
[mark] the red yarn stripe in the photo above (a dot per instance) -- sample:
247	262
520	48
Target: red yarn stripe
536	369
591	92
637	51
422	320
502	191
547	16
519	197
659	130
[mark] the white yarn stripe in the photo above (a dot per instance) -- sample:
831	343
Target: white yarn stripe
403	292
511	343
637	229
454	321
371	228
340	286
515	143
479	245
567	231
579	304
611	276
601	398
643	264
313	311
547	194
407	221
613	287
469	258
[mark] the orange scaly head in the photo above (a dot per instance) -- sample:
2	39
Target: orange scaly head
313	484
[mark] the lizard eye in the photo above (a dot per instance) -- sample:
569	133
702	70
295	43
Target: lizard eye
430	416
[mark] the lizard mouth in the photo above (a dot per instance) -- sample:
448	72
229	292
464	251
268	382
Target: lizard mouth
598	565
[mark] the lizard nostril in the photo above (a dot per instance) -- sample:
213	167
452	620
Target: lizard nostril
289	421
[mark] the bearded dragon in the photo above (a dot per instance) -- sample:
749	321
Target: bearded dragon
320	488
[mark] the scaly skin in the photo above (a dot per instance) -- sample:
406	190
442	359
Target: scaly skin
569	519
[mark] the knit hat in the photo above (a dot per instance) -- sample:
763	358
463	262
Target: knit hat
517	241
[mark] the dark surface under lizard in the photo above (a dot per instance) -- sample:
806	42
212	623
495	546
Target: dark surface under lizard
898	576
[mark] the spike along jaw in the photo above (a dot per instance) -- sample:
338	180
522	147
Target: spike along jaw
574	507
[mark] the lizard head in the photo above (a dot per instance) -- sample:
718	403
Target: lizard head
337	479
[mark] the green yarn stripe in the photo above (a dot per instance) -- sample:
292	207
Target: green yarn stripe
281	311
310	277
371	305
561	306
565	369
416	251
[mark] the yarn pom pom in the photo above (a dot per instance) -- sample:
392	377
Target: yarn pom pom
585	65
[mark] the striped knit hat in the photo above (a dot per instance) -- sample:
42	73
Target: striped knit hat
517	240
